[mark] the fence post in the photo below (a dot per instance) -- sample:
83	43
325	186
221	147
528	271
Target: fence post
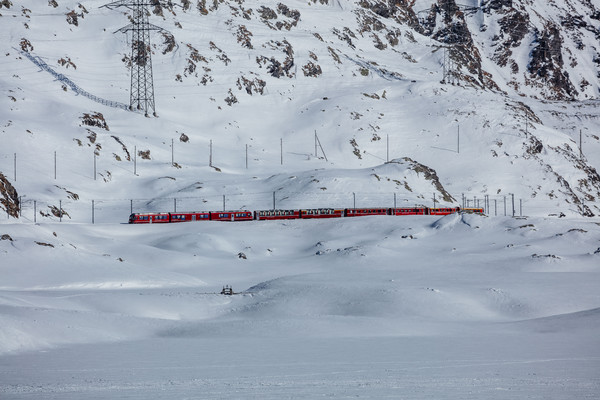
34	211
223	202
495	207
92	211
394	200
131	206
60	210
505	206
174	205
274	201
353	200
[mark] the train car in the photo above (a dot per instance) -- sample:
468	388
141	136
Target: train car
442	211
409	211
276	214
237	215
321	213
472	210
149	218
190	216
361	212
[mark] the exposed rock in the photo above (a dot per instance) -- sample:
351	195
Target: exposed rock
9	198
430	175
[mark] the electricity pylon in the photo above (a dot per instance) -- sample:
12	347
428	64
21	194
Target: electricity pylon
142	83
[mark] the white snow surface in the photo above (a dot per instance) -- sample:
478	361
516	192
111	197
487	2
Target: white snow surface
416	307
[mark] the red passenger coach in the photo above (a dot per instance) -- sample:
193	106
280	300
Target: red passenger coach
443	211
321	213
409	211
149	218
472	210
189	216
276	214
239	215
361	212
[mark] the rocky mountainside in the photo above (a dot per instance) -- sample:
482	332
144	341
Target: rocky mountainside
496	97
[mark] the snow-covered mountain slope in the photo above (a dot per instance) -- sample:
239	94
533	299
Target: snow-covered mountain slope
290	104
269	76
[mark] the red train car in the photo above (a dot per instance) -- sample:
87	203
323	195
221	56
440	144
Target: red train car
149	218
472	210
321	213
442	211
409	211
238	215
190	216
276	214
361	212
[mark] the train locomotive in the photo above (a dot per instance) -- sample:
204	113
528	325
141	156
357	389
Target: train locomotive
313	213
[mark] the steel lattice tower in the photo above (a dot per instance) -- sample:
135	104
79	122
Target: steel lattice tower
142	82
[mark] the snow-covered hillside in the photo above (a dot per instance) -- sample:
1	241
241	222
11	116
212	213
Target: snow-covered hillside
364	77
291	104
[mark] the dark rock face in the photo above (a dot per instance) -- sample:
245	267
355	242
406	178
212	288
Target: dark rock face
9	198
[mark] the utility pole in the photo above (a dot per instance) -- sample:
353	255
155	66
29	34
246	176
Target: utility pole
142	82
513	204
387	158
580	146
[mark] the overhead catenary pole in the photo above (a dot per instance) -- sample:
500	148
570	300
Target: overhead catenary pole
281	149
387	148
513	203
54	165
15	165
580	146
94	165
246	156
320	146
92	211
210	154
458	139
172	153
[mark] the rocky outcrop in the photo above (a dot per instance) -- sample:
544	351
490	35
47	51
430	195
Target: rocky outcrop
9	198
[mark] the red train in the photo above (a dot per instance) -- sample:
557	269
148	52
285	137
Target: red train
244	215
